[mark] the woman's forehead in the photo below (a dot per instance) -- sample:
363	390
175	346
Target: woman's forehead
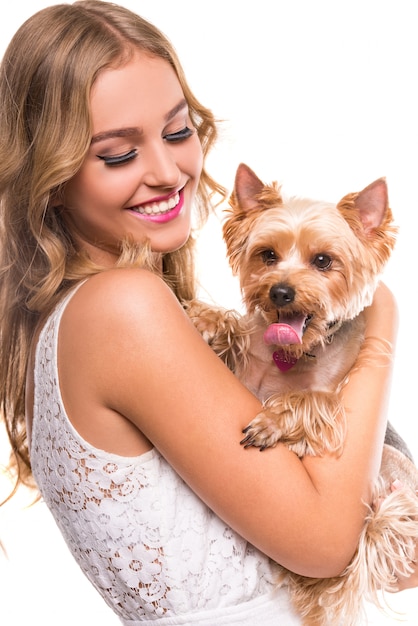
144	88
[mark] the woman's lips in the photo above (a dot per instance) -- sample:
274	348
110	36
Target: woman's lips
161	211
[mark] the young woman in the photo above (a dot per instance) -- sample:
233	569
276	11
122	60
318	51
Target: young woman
128	421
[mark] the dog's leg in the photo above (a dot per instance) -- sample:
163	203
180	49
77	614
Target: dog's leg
225	331
308	422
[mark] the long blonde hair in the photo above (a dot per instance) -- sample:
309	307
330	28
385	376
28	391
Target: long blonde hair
46	78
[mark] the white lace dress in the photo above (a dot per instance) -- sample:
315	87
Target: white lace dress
153	550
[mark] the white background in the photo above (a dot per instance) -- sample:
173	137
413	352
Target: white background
321	96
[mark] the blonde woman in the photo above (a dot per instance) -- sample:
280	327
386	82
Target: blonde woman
128	422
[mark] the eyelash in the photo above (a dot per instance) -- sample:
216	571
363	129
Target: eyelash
181	135
121	159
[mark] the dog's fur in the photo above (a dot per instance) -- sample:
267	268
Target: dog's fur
307	270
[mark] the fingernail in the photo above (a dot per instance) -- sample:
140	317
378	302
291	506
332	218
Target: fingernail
396	484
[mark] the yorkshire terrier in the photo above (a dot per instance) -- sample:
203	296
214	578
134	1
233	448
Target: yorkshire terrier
307	269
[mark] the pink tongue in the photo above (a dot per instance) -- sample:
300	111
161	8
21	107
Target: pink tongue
282	334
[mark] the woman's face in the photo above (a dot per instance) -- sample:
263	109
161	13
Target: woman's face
143	166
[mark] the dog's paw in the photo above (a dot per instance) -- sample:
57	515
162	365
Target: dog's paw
225	331
262	432
207	320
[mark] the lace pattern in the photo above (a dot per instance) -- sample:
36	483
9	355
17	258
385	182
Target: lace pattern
150	547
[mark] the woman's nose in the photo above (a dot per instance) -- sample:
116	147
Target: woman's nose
161	168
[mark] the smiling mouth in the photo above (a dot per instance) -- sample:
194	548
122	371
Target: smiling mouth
158	208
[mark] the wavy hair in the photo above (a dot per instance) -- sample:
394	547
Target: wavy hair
46	78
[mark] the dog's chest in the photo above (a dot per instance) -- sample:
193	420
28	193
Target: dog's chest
264	379
322	371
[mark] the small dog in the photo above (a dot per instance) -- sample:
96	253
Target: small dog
307	269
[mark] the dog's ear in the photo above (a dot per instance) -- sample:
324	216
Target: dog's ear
247	187
372	204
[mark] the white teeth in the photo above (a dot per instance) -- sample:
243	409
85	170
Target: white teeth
158	208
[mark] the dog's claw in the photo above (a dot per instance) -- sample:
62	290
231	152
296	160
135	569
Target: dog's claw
247	441
250	440
260	434
263	431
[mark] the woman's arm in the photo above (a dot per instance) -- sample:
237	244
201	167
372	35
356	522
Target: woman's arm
136	354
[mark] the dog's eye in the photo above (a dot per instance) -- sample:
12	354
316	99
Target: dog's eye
268	256
322	261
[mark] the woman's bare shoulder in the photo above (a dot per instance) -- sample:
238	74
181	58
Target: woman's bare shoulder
122	301
127	286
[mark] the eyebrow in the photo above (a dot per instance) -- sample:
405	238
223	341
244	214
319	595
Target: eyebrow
136	130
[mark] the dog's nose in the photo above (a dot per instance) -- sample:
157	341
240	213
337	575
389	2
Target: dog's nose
282	294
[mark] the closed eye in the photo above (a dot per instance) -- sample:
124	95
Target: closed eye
119	159
181	135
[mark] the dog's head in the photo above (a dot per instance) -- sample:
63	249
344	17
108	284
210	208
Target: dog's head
306	265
